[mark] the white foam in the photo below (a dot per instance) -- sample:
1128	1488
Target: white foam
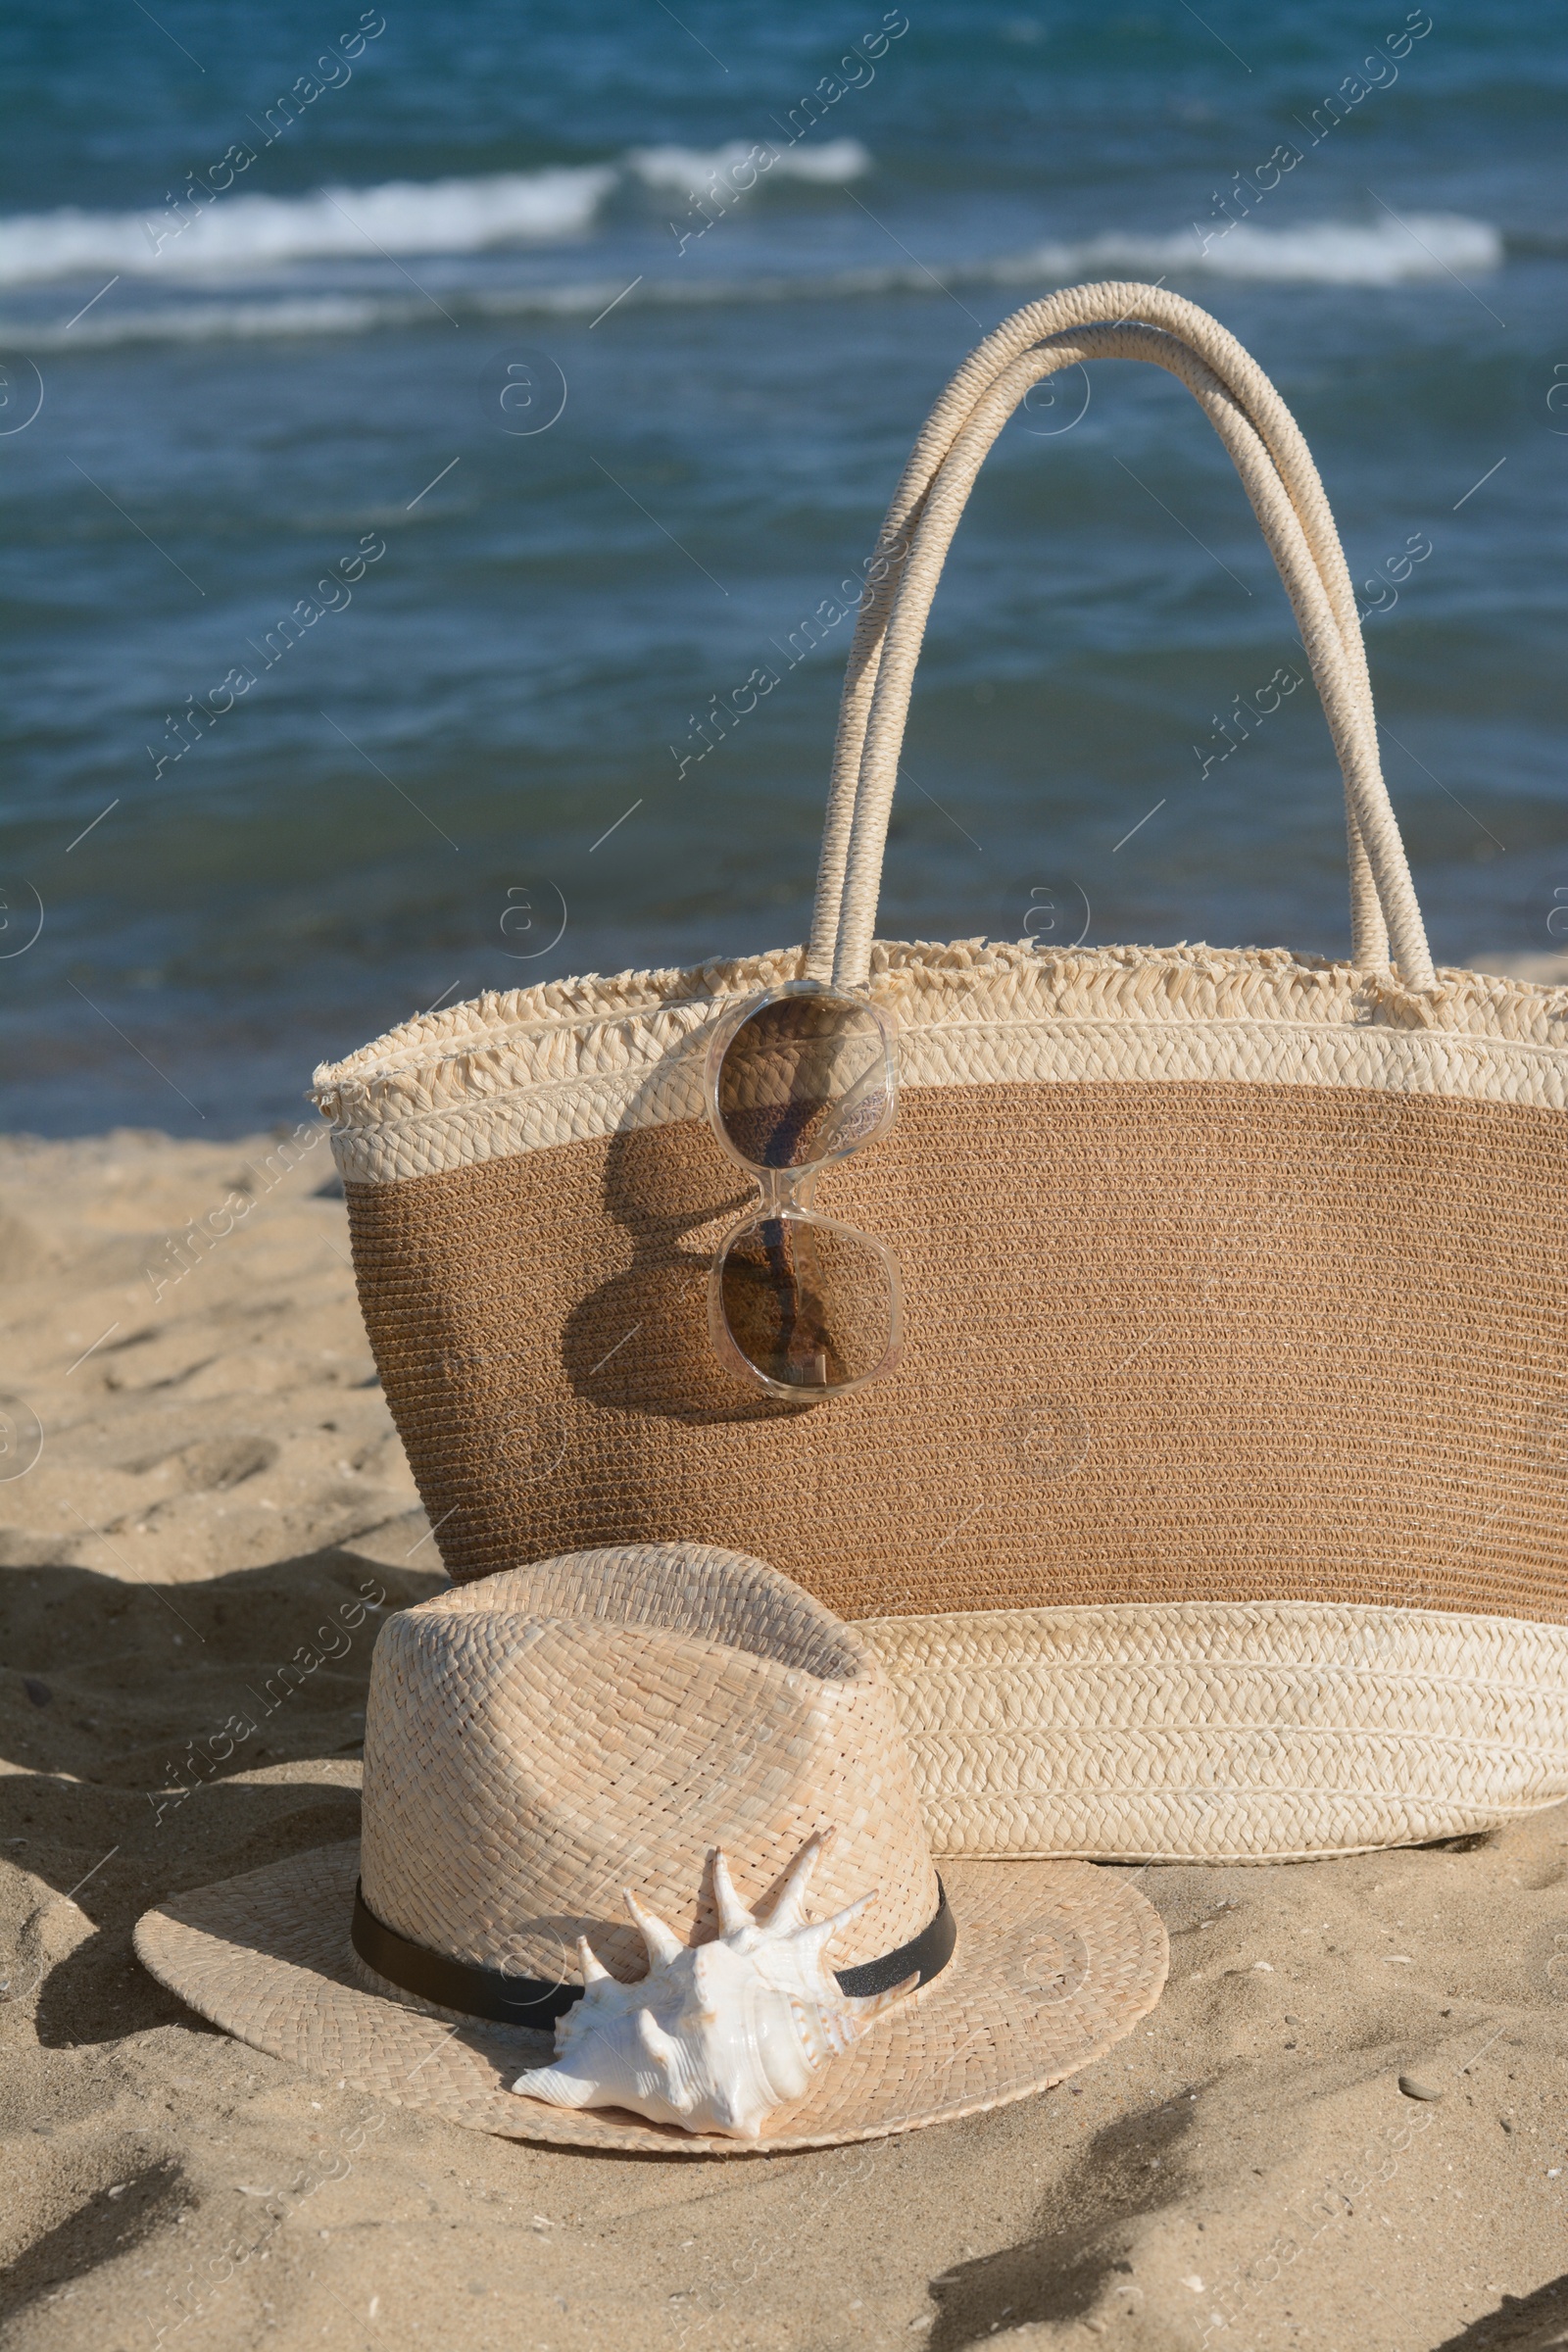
692	171
235	323
235	231
1383	253
1438	246
238	231
1329	253
218	321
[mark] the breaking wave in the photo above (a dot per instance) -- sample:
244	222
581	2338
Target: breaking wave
238	231
443	215
1327	253
688	170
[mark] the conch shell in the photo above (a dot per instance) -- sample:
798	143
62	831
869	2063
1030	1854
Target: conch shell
715	2036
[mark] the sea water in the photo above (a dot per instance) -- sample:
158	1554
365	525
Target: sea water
441	448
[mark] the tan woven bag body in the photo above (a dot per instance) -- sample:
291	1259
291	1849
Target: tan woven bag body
1217	1505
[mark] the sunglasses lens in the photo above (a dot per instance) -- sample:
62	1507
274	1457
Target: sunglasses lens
809	1304
804	1079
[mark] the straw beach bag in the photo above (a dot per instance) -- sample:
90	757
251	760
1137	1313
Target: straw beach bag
1217	1507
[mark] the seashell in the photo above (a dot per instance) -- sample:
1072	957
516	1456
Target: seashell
715	2036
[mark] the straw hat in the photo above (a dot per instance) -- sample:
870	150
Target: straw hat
687	1726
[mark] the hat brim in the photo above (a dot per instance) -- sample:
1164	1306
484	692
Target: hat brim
1055	1961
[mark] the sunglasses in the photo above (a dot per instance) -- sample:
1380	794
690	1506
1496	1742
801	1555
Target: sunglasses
799	1304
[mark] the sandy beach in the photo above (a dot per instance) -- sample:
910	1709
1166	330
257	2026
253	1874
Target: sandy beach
219	1490
446	452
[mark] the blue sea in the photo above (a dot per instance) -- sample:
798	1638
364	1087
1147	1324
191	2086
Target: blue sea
425	429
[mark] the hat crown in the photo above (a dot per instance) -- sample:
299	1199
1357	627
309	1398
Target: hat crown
541	1740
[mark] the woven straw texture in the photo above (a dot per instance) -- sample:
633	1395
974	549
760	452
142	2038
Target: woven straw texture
1055	1962
1177	1341
1210	1731
537	1743
540	1742
571	1060
1231	1278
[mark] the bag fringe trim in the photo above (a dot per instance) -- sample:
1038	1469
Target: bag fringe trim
571	1058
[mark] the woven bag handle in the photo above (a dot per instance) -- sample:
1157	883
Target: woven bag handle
1346	691
1292	508
1288	542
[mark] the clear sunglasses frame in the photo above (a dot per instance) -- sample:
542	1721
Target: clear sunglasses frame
786	1191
